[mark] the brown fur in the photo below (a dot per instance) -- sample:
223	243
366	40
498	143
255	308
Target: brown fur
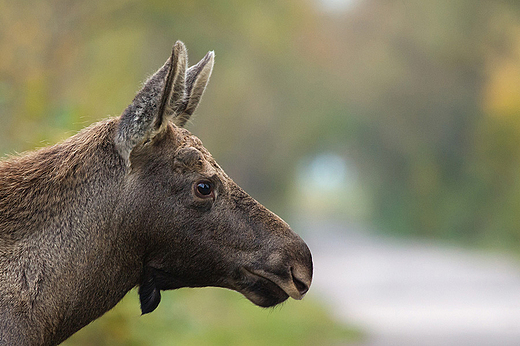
115	206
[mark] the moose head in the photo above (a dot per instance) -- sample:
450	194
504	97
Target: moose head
134	201
200	227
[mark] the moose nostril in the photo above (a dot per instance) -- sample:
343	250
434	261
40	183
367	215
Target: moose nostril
300	286
301	277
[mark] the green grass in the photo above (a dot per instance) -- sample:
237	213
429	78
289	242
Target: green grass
214	317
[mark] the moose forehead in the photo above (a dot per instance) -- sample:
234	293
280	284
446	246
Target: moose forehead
177	148
190	153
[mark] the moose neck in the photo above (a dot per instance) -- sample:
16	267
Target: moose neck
66	195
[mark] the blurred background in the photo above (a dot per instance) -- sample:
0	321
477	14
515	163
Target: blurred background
386	132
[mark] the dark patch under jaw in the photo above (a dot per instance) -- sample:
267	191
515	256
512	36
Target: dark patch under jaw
149	294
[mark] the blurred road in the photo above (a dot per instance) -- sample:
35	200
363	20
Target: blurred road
414	293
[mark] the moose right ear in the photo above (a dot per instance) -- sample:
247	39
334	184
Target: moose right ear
161	97
197	78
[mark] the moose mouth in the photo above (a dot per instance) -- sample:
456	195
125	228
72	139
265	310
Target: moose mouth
266	289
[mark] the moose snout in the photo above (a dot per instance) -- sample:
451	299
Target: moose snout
296	278
280	263
289	268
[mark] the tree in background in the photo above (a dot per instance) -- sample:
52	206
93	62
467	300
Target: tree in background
421	96
442	152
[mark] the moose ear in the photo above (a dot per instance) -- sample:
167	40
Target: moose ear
162	96
197	78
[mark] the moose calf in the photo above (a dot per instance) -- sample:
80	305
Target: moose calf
134	201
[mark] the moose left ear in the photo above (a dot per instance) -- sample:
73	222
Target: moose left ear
158	101
171	93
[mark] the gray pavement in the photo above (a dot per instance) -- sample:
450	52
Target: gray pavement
414	293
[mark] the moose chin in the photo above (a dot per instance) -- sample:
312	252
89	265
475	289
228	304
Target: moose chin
134	200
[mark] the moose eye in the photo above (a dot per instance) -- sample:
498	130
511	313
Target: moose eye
204	189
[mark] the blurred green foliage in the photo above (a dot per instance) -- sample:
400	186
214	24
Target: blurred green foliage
213	317
433	88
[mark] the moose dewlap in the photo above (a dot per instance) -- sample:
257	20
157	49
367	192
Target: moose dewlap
134	201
